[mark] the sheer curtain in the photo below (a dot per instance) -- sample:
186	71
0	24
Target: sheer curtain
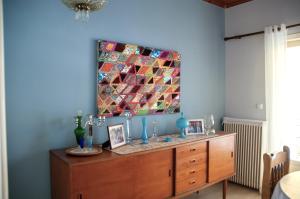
293	96
275	77
3	156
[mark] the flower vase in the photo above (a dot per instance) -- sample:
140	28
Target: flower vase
128	116
79	131
144	132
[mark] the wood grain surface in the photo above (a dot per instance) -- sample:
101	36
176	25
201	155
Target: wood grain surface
170	172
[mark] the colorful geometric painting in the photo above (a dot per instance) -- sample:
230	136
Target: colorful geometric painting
138	79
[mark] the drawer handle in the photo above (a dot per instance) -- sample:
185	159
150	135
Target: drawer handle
192	161
191	150
232	154
192	172
193	182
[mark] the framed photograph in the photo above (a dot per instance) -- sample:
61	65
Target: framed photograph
116	135
196	126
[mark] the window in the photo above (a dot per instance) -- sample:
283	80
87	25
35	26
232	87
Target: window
293	97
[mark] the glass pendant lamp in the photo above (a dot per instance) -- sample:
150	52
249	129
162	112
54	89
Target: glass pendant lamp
83	8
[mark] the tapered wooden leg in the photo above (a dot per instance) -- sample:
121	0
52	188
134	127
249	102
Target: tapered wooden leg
224	189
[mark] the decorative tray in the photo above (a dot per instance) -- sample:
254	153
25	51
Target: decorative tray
163	141
77	151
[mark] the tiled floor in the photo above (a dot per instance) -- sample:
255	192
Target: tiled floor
234	192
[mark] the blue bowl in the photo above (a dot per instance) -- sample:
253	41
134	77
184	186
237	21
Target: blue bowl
168	139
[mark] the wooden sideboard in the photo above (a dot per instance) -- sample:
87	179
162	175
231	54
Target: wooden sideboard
169	172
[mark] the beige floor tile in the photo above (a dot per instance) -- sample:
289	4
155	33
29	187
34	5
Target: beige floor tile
234	192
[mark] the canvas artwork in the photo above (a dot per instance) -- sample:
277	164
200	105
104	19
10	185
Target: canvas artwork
138	79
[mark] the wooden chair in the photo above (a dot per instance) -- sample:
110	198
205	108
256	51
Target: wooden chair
275	167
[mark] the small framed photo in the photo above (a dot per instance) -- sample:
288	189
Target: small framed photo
196	126
116	135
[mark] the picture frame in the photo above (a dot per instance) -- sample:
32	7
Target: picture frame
196	127
116	135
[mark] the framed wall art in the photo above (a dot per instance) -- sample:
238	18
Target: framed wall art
137	79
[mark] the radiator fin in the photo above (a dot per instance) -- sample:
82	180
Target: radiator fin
248	153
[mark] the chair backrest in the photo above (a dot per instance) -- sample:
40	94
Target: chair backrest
275	167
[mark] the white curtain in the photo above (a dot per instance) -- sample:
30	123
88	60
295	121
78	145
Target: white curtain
3	153
293	97
275	77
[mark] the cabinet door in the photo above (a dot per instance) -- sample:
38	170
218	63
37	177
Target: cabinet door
109	179
153	175
221	158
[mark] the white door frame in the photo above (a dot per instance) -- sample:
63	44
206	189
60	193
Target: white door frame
3	145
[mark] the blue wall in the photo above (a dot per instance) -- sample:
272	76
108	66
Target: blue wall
50	72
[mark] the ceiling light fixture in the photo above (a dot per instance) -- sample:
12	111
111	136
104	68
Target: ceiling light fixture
83	8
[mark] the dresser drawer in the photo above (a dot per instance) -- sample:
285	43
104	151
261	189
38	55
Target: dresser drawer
189	184
195	171
189	150
190	161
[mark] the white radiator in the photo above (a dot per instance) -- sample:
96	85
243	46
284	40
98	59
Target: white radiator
250	146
